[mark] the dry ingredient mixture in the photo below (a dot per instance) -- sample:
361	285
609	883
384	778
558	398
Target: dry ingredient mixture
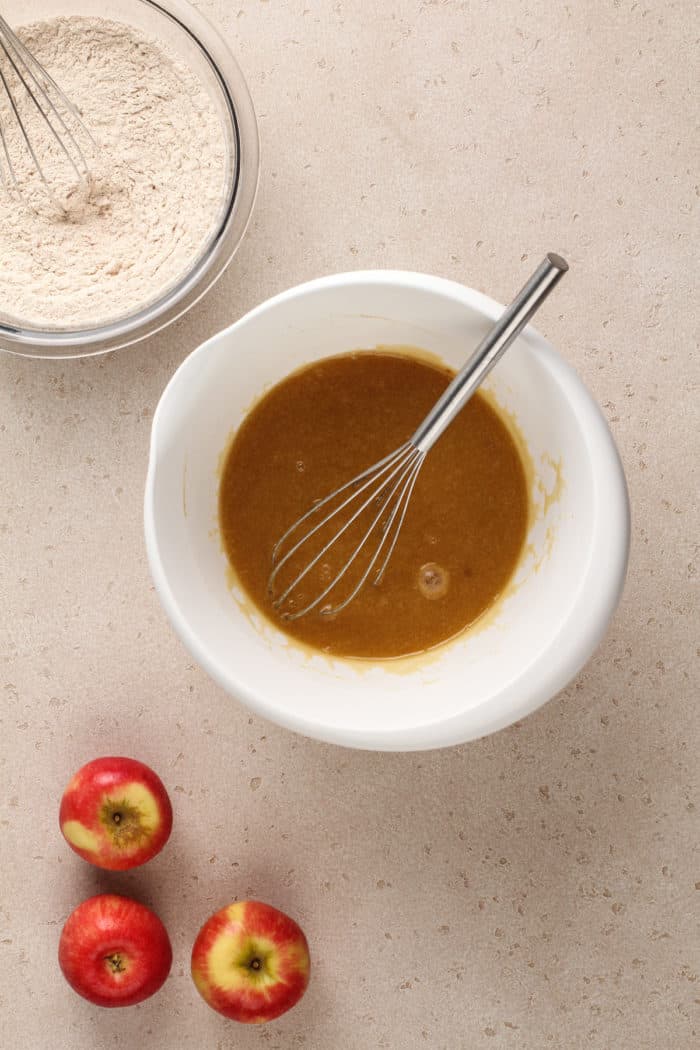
155	193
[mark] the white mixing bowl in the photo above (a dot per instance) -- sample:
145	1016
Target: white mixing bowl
522	653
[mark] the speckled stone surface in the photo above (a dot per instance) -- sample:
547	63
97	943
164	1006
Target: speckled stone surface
535	889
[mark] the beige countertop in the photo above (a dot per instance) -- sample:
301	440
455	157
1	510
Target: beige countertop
534	889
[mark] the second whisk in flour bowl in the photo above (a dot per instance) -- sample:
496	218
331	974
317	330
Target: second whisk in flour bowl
171	183
566	584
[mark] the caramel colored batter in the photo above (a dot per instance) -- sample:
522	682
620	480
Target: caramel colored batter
466	523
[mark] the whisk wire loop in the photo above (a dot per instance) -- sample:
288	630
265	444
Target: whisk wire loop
46	99
398	513
376	479
10	181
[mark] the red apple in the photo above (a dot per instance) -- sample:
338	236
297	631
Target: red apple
116	813
114	951
250	962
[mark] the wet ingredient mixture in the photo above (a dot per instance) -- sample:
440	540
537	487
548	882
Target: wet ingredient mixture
465	527
157	186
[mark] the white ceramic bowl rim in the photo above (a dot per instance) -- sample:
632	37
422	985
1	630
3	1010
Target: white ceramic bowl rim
592	606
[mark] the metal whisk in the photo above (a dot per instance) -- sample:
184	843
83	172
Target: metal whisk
381	494
43	139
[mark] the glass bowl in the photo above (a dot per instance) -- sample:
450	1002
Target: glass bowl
194	41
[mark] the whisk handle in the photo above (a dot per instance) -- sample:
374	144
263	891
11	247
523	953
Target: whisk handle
490	350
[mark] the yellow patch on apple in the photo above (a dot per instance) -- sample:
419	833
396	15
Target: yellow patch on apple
138	796
228	962
79	836
235	912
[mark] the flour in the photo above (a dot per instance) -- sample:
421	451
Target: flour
156	189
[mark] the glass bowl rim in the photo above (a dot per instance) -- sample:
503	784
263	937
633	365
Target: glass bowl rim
18	338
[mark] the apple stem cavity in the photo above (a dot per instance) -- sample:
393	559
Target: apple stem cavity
117	818
115	962
256	964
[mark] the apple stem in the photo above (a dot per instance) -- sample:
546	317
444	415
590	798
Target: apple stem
255	964
117	817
